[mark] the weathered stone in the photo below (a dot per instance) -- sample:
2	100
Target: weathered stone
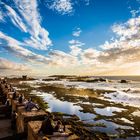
20	109
24	117
10	95
34	126
16	104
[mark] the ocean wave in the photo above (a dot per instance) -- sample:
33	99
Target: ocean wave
131	98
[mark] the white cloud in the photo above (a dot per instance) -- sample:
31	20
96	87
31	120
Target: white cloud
125	49
75	47
75	51
13	46
127	30
91	53
39	36
60	58
62	6
76	43
16	20
77	32
26	17
128	35
6	64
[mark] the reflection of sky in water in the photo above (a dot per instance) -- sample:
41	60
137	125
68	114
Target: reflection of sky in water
136	113
126	120
55	105
111	126
108	111
70	108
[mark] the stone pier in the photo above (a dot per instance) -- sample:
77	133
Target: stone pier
34	126
24	117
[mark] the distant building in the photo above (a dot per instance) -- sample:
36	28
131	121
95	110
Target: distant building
24	77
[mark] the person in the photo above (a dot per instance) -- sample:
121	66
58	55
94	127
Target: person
7	103
14	95
13	119
47	126
4	98
30	105
7	108
58	126
20	99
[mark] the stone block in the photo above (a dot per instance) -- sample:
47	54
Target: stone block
24	117
34	126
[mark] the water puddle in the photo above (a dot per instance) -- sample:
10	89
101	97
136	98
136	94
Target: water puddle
55	105
108	111
136	113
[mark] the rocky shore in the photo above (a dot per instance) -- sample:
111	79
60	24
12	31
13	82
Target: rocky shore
28	122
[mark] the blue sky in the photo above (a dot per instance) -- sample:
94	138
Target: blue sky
83	37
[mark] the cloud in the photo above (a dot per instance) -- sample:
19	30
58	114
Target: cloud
128	30
77	32
16	20
75	51
6	64
60	58
15	47
91	53
26	17
122	50
76	43
39	36
75	47
115	55
125	49
127	35
62	6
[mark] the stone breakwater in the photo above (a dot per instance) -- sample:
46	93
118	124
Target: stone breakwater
27	123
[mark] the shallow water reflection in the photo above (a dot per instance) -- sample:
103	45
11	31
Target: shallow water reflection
55	105
106	109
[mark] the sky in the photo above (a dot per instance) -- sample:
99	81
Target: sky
71	37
